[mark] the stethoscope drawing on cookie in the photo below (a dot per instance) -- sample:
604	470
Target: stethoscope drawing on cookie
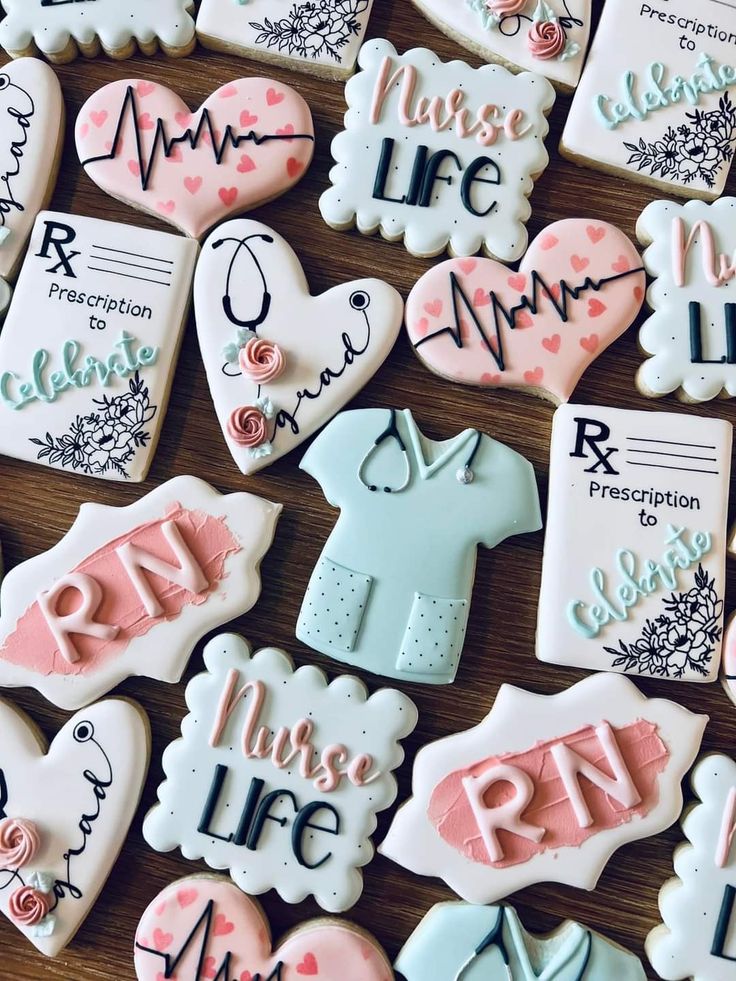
464	475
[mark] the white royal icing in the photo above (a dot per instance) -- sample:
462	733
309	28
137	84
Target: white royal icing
376	180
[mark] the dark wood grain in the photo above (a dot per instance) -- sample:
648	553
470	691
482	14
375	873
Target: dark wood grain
38	505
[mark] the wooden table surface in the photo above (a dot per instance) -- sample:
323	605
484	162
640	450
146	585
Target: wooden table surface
38	505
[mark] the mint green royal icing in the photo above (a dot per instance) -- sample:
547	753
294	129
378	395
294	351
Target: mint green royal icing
636	582
640	97
123	361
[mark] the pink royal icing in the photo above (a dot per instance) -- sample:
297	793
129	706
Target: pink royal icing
235	933
579	286
261	360
19	842
552	810
28	906
126	588
250	141
546	39
507	7
247	426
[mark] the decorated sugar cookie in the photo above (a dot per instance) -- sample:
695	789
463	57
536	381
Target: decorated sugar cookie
578	288
206	921
89	347
322	39
634	571
457	940
31	135
439	155
655	101
65	811
696	939
397	603
129	591
281	362
247	144
545	36
691	334
278	775
60	29
462	826
728	665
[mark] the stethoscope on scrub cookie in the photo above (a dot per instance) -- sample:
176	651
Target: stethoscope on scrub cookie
464	475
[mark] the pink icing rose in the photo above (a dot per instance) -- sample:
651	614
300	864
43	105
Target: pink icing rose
19	842
247	426
546	39
28	906
262	361
500	7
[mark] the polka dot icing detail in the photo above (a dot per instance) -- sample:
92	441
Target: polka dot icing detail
334	605
434	636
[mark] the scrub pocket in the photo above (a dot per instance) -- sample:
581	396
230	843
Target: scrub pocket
334	607
434	637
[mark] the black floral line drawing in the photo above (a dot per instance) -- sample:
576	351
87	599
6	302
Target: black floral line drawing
680	640
696	150
107	438
315	29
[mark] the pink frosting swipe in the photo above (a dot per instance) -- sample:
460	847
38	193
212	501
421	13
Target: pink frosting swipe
208	538
550	808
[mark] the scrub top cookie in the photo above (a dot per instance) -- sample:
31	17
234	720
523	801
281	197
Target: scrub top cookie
129	591
579	286
248	143
278	774
462	826
61	29
438	154
545	36
634	569
391	591
697	907
459	941
65	812
321	39
690	336
89	347
281	362
655	101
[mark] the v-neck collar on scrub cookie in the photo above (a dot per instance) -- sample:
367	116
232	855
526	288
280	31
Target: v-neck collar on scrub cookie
572	945
446	448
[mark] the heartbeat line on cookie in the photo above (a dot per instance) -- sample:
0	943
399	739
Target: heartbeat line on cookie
162	143
559	295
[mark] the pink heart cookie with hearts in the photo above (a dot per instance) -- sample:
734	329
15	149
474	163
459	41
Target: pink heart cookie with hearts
178	937
578	288
250	141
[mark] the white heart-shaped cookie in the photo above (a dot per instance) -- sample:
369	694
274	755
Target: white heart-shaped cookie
65	813
281	362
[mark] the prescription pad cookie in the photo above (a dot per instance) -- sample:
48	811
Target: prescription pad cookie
545	36
462	826
655	101
458	940
691	335
278	775
65	811
89	347
60	29
634	569
249	142
281	362
129	591
31	136
321	39
696	939
474	321
438	154
204	926
391	591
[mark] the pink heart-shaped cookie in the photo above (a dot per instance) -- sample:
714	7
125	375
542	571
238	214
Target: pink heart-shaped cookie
251	119
531	328
328	948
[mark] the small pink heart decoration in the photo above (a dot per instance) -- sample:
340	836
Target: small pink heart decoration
572	275
328	948
248	143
